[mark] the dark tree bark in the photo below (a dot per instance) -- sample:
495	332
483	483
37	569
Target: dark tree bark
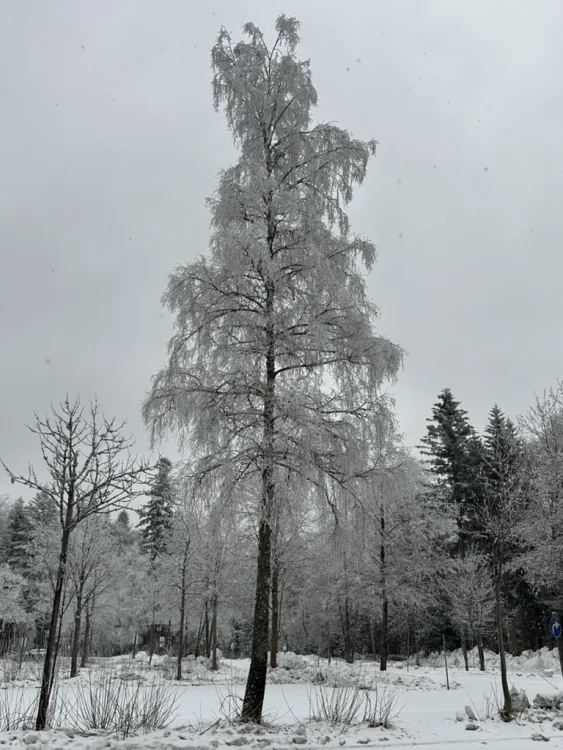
87	638
347	632
463	631
463	639
481	652
77	625
151	639
373	639
214	663
384	649
181	636
207	641
256	684
51	650
275	618
57	647
253	701
507	708
199	636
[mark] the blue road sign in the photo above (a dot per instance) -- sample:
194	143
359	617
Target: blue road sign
555	626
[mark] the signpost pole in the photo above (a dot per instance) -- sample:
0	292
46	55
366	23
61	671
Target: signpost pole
555	630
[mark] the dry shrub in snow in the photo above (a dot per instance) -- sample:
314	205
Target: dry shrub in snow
337	705
13	669
108	702
381	707
16	709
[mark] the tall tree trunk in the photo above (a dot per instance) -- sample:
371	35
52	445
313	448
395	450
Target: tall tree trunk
463	639
199	636
346	631
463	630
86	638
76	632
207	642
57	647
253	701
384	650
214	663
151	639
256	684
51	650
182	619
481	652
304	624
275	618
507	709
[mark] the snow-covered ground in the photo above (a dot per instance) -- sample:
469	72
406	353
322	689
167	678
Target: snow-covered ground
427	714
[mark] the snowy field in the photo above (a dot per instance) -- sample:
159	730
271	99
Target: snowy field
423	714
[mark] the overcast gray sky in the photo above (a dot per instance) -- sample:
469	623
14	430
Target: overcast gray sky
109	146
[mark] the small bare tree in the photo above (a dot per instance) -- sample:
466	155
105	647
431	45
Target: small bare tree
469	586
91	572
86	475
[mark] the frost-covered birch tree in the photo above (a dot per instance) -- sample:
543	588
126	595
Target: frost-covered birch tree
275	362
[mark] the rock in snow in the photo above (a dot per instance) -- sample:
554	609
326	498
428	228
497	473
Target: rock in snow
520	700
471	713
548	701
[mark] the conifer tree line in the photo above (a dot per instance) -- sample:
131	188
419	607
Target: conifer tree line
296	518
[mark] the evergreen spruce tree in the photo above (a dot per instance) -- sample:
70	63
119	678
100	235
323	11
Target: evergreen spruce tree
504	453
157	513
453	455
20	529
43	510
123	520
503	512
122	532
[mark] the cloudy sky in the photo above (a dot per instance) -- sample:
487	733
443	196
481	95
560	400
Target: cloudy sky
109	146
